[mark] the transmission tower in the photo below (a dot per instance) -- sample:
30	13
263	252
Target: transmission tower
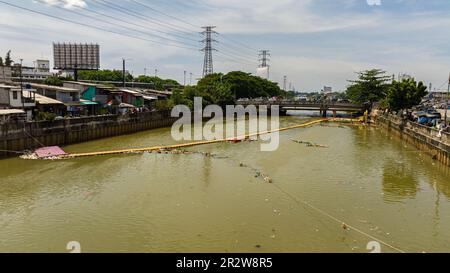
264	58
208	67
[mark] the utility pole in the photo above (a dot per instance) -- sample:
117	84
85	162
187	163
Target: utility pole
145	71
284	83
446	102
123	73
264	58
190	78
156	73
185	78
208	67
21	85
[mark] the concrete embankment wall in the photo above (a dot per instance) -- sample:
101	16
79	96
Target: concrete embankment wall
423	137
31	135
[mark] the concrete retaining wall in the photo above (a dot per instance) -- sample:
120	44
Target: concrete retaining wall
31	135
423	137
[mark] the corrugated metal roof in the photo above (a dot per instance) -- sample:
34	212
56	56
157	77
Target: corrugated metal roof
54	88
4	112
150	98
8	86
132	92
42	99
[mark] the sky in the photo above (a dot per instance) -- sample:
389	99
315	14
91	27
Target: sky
315	43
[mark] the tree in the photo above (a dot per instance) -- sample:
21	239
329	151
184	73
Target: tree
1	61
405	94
57	80
53	80
159	84
8	60
371	86
241	85
104	75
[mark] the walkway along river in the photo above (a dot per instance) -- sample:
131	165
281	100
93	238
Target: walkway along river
155	202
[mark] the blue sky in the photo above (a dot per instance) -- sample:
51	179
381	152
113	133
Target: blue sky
313	42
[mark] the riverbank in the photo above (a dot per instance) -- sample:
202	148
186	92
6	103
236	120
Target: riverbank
18	137
424	138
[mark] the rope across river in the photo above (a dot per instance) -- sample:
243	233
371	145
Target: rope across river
199	143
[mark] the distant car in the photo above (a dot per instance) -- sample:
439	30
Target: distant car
343	101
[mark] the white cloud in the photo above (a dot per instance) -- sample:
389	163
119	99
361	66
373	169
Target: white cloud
68	4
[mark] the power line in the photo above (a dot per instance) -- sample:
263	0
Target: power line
240	43
115	24
163	13
91	26
236	59
237	48
141	16
234	51
138	25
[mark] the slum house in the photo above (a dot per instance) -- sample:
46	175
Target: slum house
71	98
12	115
47	105
132	97
107	98
160	95
12	97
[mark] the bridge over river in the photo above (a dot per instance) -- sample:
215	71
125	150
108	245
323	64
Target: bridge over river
322	107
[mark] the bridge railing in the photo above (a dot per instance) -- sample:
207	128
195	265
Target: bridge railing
301	103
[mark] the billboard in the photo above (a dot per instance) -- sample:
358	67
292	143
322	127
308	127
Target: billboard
68	56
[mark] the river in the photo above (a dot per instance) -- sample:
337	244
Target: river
194	203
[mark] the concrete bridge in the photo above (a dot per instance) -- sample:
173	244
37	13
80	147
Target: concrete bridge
322	107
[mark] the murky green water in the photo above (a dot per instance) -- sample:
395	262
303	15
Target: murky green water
192	203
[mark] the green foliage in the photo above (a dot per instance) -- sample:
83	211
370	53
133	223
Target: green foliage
290	95
1	61
162	105
242	85
8	60
340	95
178	98
160	84
44	116
223	89
56	80
104	75
53	80
405	94
371	86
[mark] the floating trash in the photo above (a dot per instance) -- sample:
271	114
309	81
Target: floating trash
45	153
345	227
309	144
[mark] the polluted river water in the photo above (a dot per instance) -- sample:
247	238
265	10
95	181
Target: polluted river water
357	185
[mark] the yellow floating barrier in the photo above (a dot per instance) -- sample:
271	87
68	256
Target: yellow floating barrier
199	143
